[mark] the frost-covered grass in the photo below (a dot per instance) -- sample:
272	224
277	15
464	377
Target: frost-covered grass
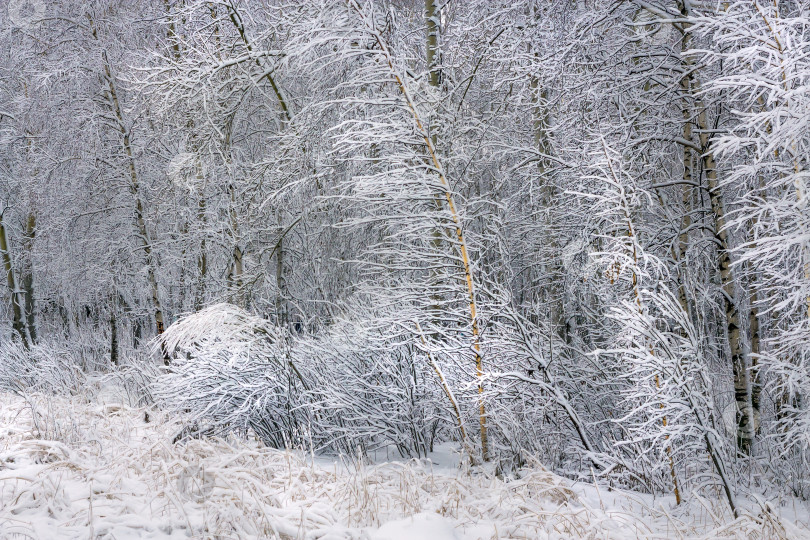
73	469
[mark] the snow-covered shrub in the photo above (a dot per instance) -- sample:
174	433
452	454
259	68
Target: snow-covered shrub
533	411
50	367
373	388
232	371
132	382
354	387
669	400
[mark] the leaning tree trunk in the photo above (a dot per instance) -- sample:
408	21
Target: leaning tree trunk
134	187
450	205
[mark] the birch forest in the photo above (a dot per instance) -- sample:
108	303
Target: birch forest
558	249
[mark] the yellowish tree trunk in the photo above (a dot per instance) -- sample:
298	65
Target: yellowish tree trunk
422	130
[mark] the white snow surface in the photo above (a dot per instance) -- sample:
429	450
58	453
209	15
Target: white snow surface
73	469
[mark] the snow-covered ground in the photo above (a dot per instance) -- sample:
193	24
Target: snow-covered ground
72	469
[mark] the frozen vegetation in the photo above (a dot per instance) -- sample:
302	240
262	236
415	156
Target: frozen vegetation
73	468
399	269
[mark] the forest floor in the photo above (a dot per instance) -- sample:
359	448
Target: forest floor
73	468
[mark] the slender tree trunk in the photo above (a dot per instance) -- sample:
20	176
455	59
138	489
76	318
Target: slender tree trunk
433	26
550	266
237	265
754	331
28	278
183	233
134	186
281	285
113	332
202	259
171	31
447	391
734	335
432	31
730	298
17	323
756	384
686	190
137	332
637	293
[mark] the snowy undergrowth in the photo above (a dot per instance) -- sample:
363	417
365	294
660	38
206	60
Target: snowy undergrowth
72	469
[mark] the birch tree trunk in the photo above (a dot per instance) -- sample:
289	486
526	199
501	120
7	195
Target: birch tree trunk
432	30
730	298
734	336
450	204
432	25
